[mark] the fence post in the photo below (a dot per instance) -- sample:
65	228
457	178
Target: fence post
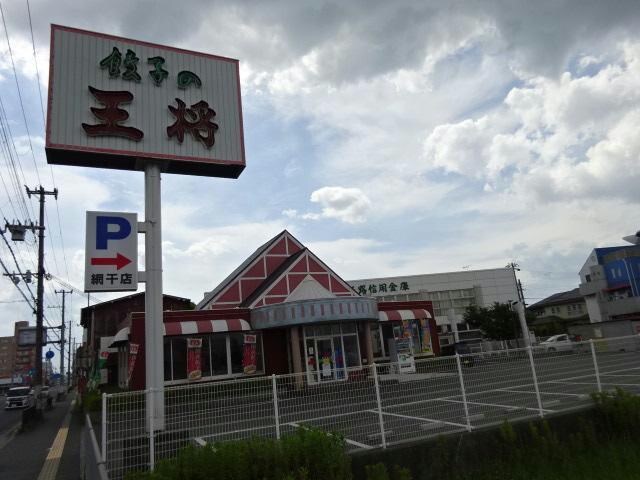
104	428
152	445
535	380
464	392
275	405
375	379
595	364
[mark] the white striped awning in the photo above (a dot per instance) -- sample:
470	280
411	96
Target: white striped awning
206	326
397	315
122	337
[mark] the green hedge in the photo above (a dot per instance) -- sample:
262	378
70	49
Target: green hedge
305	455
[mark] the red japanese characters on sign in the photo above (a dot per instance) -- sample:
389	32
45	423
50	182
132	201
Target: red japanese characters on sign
108	110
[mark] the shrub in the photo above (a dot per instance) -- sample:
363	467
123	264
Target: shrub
92	401
307	454
379	472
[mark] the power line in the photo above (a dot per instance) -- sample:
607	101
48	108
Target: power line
33	44
15	76
53	180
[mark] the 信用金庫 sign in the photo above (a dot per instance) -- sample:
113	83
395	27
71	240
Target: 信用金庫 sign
116	102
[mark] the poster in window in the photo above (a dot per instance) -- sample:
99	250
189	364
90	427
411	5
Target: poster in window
194	367
249	355
427	347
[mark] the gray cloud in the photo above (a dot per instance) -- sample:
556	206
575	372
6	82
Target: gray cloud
351	40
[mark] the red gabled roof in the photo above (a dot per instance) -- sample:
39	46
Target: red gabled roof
271	273
252	272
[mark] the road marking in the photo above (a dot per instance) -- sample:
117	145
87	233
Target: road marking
431	420
52	462
604	383
544	393
498	405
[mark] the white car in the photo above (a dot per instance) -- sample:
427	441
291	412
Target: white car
558	343
18	397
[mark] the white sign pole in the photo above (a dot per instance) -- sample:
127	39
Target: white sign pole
153	321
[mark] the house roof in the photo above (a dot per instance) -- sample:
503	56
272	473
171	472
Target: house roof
85	311
286	253
562	298
268	282
208	296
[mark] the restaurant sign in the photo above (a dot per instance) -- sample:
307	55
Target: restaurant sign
116	102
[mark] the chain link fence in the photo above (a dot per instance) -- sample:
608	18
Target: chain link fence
371	407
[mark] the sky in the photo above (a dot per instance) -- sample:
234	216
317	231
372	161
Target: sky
391	138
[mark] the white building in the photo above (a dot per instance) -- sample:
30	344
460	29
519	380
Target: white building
456	290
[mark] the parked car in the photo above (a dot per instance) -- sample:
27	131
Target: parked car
558	343
18	397
461	348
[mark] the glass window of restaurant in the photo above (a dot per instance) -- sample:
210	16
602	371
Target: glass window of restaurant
330	350
222	355
417	329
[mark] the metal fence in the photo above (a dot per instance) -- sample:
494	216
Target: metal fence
374	406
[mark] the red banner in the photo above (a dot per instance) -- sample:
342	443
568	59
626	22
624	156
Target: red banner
133	353
194	367
249	355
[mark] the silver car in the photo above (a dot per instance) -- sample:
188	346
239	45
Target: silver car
558	343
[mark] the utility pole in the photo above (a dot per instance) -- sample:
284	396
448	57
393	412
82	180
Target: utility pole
69	352
520	305
62	328
40	295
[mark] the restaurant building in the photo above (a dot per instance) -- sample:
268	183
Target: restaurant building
283	310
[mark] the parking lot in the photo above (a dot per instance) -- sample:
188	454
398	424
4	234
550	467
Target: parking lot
375	409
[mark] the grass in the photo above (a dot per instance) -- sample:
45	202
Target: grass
617	460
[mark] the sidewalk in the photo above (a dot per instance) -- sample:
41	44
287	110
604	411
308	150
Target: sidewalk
23	457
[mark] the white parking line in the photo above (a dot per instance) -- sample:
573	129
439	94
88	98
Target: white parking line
498	405
604	383
431	420
347	440
543	393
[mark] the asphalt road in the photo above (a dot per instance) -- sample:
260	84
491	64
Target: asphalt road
8	418
23	456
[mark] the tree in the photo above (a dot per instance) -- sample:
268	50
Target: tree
498	322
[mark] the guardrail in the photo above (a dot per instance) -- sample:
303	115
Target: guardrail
93	466
373	406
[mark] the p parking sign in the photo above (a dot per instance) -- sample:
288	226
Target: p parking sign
111	252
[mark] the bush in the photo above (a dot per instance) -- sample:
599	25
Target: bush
92	401
307	454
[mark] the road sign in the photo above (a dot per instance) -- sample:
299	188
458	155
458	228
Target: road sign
120	103
111	252
49	354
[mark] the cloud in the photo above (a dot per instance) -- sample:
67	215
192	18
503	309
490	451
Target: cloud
349	205
553	140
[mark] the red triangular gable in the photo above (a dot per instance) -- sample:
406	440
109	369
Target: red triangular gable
278	288
277	280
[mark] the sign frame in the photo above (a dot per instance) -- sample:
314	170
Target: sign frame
64	153
104	259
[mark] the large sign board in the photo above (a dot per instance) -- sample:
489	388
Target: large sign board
116	102
111	252
27	336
